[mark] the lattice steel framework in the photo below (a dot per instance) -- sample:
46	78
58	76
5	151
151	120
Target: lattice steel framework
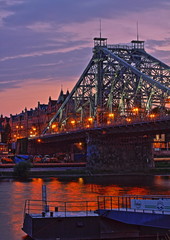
117	80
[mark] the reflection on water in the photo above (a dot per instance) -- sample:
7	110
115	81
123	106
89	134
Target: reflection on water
13	194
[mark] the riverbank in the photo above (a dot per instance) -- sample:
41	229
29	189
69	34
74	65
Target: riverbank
40	172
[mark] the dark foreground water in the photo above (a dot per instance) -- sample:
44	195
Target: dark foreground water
14	193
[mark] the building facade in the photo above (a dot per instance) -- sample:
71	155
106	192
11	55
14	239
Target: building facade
32	122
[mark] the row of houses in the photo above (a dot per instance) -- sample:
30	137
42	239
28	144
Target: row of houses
29	123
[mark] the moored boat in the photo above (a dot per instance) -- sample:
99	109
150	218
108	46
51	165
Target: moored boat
109	217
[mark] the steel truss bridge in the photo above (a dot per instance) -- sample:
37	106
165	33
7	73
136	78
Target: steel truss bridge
113	113
120	82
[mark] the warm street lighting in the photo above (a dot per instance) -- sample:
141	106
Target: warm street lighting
90	119
73	122
53	126
128	119
17	126
152	115
111	115
110	118
136	110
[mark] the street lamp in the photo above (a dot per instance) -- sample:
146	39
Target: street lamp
110	118
111	115
135	110
53	126
152	116
73	122
128	120
90	119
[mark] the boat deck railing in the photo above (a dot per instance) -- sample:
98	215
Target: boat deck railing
136	203
60	208
141	203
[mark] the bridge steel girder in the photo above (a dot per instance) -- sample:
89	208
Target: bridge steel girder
117	79
137	72
69	96
150	85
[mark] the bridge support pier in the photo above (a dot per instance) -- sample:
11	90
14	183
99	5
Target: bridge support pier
119	153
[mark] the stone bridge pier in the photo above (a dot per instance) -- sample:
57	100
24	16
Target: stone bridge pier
119	153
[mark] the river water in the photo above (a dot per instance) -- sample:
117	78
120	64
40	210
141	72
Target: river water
14	193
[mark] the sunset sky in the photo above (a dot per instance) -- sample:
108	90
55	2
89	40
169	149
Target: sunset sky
46	44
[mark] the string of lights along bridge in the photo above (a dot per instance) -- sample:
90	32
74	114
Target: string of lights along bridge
121	84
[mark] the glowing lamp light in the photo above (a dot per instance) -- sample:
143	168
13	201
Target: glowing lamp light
38	140
53	126
73	122
81	181
33	128
128	119
136	110
90	119
111	115
32	135
17	126
152	115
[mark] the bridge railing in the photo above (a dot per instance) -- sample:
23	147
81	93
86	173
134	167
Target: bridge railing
119	46
115	122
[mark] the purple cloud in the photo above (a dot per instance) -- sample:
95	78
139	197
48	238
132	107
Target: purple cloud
52	40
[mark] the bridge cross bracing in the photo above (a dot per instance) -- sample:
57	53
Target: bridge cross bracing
119	82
